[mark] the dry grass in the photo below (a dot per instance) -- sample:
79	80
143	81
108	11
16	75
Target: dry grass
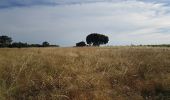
112	73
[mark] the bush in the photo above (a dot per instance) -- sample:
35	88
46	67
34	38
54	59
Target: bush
81	44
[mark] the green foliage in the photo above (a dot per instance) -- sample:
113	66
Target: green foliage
18	45
80	44
96	39
45	44
5	41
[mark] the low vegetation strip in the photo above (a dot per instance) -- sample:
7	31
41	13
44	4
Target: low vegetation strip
88	73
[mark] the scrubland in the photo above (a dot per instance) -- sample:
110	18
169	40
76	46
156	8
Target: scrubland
88	73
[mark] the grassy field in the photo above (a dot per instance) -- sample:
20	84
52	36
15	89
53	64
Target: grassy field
106	73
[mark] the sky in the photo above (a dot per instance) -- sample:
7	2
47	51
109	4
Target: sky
66	22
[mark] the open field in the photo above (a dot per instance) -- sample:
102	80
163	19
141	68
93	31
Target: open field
106	73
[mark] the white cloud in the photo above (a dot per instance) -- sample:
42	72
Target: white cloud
125	22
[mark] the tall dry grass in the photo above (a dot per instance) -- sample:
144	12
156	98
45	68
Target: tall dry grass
106	73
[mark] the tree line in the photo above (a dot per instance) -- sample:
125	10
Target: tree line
93	39
6	41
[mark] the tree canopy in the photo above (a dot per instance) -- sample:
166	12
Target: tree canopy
5	41
97	39
45	44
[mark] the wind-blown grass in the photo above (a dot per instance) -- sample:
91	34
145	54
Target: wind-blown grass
106	73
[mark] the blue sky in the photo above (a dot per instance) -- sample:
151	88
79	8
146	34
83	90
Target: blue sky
66	22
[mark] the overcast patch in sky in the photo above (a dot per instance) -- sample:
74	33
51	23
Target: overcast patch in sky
65	23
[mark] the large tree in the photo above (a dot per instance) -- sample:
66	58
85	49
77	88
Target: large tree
96	39
5	41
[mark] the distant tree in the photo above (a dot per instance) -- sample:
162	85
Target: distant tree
97	39
5	41
45	44
80	44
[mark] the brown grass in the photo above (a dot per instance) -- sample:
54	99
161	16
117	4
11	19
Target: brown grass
106	73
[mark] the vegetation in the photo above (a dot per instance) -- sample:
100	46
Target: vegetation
96	39
18	45
89	73
81	44
45	44
6	41
161	45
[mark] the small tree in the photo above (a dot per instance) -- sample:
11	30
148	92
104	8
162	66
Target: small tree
96	39
5	41
45	44
80	44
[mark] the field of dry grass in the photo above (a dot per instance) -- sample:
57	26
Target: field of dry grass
106	73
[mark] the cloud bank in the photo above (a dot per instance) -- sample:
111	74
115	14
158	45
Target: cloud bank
125	22
22	3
